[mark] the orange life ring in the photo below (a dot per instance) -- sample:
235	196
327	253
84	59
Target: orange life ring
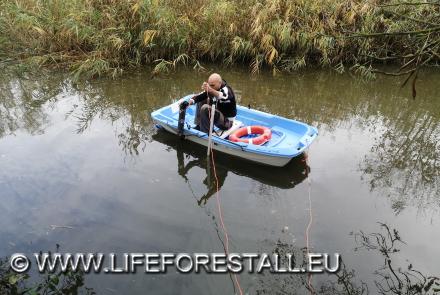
265	135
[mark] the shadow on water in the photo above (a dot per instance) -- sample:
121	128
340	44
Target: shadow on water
284	178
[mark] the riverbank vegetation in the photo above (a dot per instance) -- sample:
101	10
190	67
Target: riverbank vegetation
96	37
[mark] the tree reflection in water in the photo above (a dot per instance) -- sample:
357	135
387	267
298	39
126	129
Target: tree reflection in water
56	283
127	113
340	283
405	161
390	278
24	101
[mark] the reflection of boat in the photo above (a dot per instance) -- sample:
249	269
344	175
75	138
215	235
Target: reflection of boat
293	173
289	138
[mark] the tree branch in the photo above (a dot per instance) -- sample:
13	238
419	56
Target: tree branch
373	35
410	4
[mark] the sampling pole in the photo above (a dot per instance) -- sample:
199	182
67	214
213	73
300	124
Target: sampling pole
211	124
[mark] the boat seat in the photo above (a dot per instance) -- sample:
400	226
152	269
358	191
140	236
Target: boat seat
235	126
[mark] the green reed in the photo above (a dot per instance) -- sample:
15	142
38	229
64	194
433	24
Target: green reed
97	37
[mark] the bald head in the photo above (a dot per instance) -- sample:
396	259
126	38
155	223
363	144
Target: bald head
215	81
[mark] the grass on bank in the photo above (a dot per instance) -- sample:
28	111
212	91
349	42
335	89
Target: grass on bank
104	37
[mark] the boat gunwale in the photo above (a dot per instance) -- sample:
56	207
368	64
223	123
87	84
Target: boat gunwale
274	151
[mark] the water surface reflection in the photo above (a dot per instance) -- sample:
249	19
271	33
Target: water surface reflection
87	156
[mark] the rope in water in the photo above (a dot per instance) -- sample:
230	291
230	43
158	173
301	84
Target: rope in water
219	208
309	225
309	279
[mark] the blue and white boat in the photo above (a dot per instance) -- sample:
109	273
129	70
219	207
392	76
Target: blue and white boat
289	139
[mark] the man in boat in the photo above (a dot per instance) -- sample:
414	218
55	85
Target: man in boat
215	91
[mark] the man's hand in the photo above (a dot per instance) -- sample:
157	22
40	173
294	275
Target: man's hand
205	87
184	104
209	89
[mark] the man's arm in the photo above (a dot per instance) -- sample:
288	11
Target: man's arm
222	94
198	98
225	94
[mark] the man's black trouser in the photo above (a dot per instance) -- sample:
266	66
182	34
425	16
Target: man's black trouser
203	113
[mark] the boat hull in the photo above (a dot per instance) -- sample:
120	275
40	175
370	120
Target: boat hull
289	138
257	158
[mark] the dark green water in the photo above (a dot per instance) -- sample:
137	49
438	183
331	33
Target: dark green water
86	157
